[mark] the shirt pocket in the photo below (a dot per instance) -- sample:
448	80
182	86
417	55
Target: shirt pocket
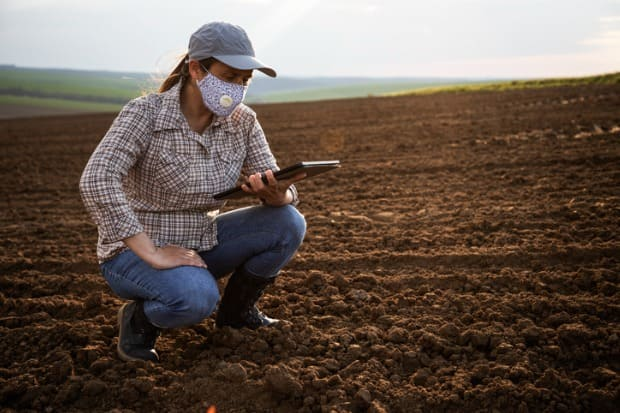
230	162
172	171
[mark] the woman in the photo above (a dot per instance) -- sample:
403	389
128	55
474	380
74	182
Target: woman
149	187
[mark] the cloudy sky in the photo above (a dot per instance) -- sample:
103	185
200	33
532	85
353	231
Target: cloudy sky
474	38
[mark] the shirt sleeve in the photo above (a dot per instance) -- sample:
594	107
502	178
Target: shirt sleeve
259	157
101	182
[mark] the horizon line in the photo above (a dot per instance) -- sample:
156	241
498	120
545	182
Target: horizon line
455	77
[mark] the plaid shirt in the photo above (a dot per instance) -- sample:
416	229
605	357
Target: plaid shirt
152	173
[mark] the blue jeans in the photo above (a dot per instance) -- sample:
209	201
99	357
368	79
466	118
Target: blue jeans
259	239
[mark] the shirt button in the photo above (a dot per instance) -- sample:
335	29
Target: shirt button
216	124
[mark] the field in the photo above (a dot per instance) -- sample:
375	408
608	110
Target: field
464	258
26	92
75	85
336	90
605	79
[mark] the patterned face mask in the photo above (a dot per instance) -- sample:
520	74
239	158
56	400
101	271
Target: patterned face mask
219	96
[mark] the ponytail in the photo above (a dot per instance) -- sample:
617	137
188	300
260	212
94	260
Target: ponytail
181	72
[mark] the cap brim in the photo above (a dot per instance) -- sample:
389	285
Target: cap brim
245	63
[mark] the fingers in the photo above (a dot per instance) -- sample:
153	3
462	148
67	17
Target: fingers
254	183
283	183
273	189
174	256
194	259
271	179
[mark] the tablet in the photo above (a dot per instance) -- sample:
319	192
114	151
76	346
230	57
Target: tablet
309	168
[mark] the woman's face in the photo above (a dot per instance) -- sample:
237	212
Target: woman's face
229	74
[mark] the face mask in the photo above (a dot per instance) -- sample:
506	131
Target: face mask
221	97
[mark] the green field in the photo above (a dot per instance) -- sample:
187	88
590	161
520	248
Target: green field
107	91
70	90
100	91
65	104
342	92
103	87
606	79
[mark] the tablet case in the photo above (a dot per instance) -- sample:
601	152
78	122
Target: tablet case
310	168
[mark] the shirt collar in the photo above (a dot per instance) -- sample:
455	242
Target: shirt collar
169	115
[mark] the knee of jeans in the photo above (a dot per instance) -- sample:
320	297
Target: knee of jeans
198	304
211	298
295	224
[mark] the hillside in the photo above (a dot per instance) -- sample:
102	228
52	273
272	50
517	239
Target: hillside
32	92
27	91
604	79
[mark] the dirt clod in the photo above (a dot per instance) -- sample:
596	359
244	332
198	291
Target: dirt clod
281	381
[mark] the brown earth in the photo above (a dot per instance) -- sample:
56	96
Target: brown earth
465	258
28	111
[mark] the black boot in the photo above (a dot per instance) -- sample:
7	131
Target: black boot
238	306
137	336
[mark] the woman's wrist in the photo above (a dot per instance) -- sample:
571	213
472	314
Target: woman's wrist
143	247
286	199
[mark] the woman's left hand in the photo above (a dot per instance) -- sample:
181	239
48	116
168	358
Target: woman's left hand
274	192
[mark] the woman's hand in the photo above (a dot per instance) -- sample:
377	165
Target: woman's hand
274	192
172	256
162	258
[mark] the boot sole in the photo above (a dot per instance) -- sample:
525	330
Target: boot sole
239	326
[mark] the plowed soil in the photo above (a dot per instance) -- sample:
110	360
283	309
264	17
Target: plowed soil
465	258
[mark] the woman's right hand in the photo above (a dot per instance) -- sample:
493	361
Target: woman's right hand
172	256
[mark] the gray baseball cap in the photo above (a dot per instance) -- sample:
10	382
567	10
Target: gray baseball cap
227	43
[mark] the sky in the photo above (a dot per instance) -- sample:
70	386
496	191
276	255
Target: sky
367	38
